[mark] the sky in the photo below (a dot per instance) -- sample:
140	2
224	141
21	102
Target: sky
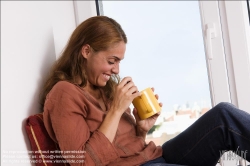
165	49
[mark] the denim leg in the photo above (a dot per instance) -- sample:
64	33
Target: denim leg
159	162
223	128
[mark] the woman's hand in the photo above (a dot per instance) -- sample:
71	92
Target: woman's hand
125	92
143	126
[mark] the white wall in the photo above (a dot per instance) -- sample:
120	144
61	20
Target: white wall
33	35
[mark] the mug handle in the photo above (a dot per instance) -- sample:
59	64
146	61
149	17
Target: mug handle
144	98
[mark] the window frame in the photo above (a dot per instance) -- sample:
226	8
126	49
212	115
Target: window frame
217	67
236	36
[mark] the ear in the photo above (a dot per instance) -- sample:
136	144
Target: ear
86	51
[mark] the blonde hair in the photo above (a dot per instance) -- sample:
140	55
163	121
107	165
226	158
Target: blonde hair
100	32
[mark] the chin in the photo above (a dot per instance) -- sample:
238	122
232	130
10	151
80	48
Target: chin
102	84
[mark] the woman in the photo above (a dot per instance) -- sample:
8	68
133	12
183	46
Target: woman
86	110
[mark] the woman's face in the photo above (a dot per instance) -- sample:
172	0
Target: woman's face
101	65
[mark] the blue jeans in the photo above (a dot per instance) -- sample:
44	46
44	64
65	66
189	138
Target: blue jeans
221	129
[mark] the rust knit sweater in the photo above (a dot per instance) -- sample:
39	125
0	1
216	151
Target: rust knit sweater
72	117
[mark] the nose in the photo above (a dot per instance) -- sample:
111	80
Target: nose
115	69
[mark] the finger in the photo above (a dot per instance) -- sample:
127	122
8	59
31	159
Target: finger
125	80
132	89
160	104
129	85
137	118
157	96
157	114
136	94
153	89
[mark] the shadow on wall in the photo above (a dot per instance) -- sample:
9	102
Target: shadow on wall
34	108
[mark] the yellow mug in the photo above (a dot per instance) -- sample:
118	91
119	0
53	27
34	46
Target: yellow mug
146	104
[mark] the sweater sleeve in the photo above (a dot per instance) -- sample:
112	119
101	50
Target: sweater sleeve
65	115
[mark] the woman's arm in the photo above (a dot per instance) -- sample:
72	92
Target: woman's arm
65	118
110	124
125	92
140	132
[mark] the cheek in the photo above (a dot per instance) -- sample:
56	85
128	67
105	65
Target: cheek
105	68
98	70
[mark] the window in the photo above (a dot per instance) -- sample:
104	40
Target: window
165	50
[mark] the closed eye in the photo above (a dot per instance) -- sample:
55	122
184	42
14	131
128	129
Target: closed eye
111	63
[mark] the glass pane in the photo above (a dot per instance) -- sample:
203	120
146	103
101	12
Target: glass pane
165	50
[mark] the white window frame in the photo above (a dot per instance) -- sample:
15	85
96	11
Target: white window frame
229	70
236	22
217	68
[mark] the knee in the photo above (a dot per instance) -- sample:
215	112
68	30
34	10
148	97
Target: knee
224	107
223	104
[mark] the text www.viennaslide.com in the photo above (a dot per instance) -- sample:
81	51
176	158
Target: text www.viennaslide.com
32	157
